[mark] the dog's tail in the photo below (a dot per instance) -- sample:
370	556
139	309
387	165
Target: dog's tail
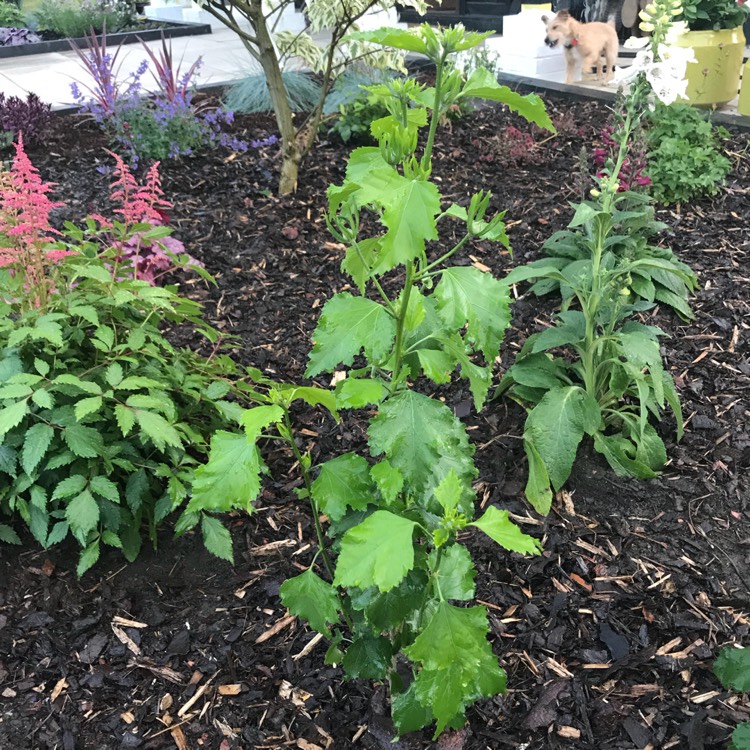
612	22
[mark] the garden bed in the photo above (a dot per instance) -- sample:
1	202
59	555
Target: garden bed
152	31
608	638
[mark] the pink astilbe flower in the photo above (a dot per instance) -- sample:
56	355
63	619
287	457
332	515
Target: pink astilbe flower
143	204
24	221
140	204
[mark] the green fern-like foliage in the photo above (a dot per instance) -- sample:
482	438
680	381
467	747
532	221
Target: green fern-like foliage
251	95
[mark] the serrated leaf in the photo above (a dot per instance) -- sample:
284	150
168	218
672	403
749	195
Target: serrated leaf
454	635
88	558
467	296
498	527
43	399
157	429
8	535
408	40
87	406
733	669
389	480
455	573
58	533
741	737
15	390
85	442
436	364
377	552
36	442
410	215
136	382
125	417
408	713
41	367
114	374
255	420
482	84
105	488
356	393
216	538
448	493
231	477
347	326
82	514
343	482
368	658
308	596
87	312
84	385
69	486
312	396
423	439
11	416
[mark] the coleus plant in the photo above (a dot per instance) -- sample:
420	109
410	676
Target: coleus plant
390	585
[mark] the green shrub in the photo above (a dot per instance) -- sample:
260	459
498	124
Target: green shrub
11	15
685	159
102	420
73	19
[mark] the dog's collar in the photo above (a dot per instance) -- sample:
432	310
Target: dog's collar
572	43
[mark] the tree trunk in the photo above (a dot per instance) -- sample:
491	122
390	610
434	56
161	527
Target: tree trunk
291	153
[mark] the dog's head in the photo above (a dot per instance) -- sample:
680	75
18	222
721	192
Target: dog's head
558	28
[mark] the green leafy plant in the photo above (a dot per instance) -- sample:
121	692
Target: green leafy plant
702	15
685	158
668	280
11	15
733	670
597	372
102	420
67	18
394	580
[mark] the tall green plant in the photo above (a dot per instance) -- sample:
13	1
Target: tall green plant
598	371
391	584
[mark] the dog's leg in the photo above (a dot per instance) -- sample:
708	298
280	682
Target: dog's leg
570	65
591	61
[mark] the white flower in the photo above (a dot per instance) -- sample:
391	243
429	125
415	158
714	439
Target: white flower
675	31
643	60
636	42
666	85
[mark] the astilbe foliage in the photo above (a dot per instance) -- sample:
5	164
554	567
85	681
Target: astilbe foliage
32	116
25	227
149	257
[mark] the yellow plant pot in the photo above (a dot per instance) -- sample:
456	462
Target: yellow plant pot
715	77
743	107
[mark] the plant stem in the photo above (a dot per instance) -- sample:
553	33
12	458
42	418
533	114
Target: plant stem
400	321
426	162
315	513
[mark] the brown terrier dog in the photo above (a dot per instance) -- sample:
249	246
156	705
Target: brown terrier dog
586	43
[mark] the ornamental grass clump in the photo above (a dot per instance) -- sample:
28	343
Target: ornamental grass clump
150	125
598	371
102	421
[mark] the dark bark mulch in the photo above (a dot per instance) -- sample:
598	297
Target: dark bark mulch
608	638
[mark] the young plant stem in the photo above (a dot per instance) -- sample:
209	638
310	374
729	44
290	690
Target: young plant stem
323	551
426	162
426	271
591	302
400	321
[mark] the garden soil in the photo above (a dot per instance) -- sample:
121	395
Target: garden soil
608	638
